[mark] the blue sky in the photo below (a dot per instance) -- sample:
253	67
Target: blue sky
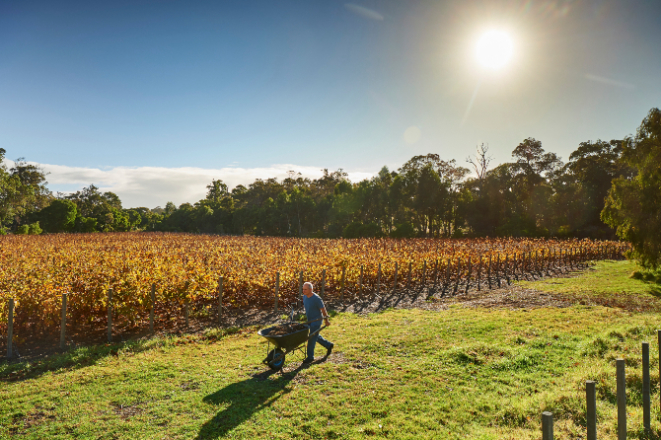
153	99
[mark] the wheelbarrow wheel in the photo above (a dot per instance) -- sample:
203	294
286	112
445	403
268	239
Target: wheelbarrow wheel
276	359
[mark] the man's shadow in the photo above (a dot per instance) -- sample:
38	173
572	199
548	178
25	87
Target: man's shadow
245	398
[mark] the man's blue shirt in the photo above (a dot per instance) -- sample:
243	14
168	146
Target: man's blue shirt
313	306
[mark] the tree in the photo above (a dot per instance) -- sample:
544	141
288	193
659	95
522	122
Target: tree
59	216
633	205
217	190
22	191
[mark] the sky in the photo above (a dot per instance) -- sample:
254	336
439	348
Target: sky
154	99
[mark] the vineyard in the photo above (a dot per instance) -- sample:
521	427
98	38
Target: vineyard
208	276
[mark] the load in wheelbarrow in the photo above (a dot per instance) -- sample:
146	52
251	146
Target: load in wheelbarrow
285	344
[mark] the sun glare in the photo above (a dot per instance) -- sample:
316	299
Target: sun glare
494	49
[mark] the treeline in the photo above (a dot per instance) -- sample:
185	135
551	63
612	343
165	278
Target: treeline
534	195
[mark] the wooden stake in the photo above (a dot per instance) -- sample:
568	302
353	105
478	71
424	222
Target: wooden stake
10	328
394	283
220	300
621	401
109	315
378	280
410	270
151	310
547	426
361	281
344	273
591	400
63	322
277	287
646	388
323	283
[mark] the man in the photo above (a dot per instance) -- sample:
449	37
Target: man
314	310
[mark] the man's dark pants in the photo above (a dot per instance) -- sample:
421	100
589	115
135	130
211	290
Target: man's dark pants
316	338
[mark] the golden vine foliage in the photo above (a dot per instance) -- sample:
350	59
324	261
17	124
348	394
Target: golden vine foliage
36	270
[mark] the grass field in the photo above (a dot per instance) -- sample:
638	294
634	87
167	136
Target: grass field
409	374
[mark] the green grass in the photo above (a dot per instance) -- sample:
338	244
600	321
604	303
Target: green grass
607	278
404	374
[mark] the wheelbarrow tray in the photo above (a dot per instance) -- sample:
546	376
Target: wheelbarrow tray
286	342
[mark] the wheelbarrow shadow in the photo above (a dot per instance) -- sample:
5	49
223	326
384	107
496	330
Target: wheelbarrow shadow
245	398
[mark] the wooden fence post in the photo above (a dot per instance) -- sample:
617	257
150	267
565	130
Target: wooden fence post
360	281
424	274
109	315
489	272
151	310
323	283
646	388
394	283
378	280
499	270
63	322
220	299
591	401
468	274
621	401
658	337
456	284
507	267
547	426
446	287
479	274
186	303
410	269
300	286
10	328
344	273
435	274
277	288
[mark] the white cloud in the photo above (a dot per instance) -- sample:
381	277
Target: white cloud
364	12
155	186
608	81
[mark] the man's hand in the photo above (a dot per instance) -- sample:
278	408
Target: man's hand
327	321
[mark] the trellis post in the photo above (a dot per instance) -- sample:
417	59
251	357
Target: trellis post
344	273
277	287
63	322
151	310
186	285
468	274
591	401
646	388
361	280
220	299
323	283
10	328
424	274
410	270
489	272
109	315
547	426
621	401
394	283
378	281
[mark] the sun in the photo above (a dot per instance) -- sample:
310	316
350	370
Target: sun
494	49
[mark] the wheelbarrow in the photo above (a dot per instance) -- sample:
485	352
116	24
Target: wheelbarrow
286	344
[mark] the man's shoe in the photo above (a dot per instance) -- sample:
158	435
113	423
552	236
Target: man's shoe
329	350
308	360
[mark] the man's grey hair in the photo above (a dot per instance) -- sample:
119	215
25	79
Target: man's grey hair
309	284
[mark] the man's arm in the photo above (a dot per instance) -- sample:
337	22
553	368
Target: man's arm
325	315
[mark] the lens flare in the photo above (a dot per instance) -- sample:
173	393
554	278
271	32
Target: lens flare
494	49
